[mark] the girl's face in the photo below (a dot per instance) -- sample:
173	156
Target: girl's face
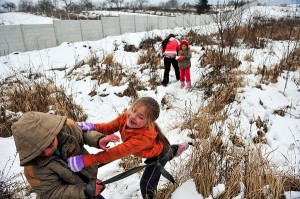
183	47
50	149
136	118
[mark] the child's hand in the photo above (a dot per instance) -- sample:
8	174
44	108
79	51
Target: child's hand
86	126
107	139
93	188
179	58
76	163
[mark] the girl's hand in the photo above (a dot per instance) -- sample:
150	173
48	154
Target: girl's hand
109	138
180	58
93	188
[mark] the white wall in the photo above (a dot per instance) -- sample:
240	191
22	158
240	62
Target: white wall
20	38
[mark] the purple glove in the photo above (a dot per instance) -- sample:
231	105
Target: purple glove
86	126
76	163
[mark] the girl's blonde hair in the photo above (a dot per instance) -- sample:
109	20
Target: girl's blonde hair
151	114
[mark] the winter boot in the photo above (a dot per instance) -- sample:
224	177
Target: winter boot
188	85
181	84
164	83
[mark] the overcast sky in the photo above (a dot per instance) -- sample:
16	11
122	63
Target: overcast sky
212	2
268	2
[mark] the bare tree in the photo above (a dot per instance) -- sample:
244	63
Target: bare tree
45	5
9	6
236	3
87	4
55	3
75	7
103	5
140	3
172	4
67	3
25	5
118	3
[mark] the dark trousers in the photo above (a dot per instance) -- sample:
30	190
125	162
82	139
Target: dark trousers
98	197
151	175
167	63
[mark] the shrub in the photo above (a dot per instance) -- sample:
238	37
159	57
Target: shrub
23	94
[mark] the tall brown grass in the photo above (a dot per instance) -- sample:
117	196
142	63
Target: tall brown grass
237	163
20	94
290	62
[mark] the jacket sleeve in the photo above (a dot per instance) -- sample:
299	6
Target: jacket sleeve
132	146
110	127
90	138
188	56
56	182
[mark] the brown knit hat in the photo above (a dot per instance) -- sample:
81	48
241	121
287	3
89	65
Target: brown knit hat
34	132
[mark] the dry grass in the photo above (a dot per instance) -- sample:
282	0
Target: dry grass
291	62
248	57
131	91
236	163
221	81
149	42
165	192
23	95
130	162
109	71
14	187
151	63
130	48
240	169
256	33
165	101
103	70
149	58
197	39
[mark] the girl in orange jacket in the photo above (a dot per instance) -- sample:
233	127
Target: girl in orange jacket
141	137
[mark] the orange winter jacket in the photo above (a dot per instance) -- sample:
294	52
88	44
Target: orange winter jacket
140	142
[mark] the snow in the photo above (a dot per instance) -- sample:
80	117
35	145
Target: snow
253	102
16	18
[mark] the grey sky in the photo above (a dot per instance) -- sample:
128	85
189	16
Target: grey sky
213	2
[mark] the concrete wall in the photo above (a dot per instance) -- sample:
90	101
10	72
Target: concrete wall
11	39
20	38
38	36
111	26
127	23
91	30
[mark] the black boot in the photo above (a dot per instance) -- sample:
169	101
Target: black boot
164	82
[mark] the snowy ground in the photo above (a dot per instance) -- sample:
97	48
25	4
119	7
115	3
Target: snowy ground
283	134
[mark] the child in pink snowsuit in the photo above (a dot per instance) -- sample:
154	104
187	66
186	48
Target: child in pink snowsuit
184	63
